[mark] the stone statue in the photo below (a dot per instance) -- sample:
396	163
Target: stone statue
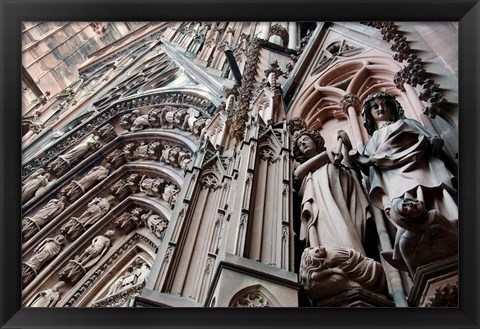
77	188
126	120
170	194
78	267
141	152
334	206
134	275
141	121
401	158
32	225
33	186
118	285
96	250
155	224
116	158
325	272
154	150
35	174
154	117
124	187
95	174
423	236
48	297
128	150
170	155
44	252
107	133
179	118
166	117
142	272
130	220
96	209
152	186
64	161
184	160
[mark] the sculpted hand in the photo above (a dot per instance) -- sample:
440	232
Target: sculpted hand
341	134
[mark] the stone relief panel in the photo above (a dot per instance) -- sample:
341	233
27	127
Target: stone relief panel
252	299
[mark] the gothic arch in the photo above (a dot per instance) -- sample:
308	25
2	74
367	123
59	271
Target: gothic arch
321	100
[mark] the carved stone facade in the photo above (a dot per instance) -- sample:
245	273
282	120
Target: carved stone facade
235	164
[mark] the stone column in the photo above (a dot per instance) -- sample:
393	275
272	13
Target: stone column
350	104
292	35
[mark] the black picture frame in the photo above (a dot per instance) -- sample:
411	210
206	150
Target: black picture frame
466	12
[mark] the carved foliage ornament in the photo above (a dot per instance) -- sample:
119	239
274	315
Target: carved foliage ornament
253	299
413	73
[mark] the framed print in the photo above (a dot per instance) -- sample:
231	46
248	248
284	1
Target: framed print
239	164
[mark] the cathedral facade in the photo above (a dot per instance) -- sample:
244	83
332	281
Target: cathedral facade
240	164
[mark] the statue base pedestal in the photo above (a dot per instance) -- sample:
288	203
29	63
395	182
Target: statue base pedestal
355	298
435	284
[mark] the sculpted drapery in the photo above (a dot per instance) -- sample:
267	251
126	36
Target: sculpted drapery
401	158
334	206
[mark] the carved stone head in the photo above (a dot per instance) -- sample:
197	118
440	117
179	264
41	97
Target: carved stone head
406	213
303	142
393	105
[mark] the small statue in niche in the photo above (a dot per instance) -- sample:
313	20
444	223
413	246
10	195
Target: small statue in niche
46	250
48	297
130	220
141	152
190	118
170	155
33	186
199	124
154	150
179	118
141	121
184	160
423	236
152	186
79	266
155	224
107	133
128	151
32	225
142	271
325	272
35	174
135	274
96	209
118	284
170	194
77	188
122	188
154	116
126	120
138	275
166	117
63	162
116	158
